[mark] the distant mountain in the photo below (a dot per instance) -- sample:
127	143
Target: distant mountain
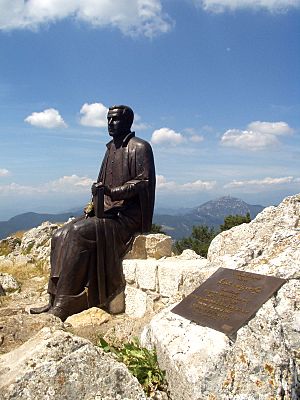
30	220
227	205
211	213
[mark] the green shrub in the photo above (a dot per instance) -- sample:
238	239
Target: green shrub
142	363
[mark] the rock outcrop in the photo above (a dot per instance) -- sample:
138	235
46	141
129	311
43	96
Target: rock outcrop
56	364
8	283
150	246
263	361
153	284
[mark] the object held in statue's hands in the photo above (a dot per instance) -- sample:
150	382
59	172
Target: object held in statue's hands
98	200
89	210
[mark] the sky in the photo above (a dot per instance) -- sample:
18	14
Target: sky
214	85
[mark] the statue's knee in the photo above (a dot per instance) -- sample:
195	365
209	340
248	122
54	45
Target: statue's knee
78	228
56	235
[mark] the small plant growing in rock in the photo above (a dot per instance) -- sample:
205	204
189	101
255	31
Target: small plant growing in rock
141	362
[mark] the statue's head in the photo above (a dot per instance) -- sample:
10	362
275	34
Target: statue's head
119	120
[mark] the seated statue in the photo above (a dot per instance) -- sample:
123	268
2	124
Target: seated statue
86	253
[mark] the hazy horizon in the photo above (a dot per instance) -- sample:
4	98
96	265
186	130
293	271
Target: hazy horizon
158	207
214	85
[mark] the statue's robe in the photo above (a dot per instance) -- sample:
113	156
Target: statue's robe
87	253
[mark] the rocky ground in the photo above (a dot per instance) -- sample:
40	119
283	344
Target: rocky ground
17	325
261	362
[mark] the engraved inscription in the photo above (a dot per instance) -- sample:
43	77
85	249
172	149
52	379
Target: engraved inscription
228	299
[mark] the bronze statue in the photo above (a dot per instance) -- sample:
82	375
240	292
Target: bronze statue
86	253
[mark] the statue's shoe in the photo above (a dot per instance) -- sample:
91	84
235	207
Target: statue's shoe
43	309
66	305
40	310
59	312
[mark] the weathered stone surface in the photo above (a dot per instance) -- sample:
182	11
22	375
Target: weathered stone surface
137	302
153	284
268	245
2	291
16	326
56	364
8	282
151	246
37	241
138	249
93	316
263	362
158	245
9	244
146	275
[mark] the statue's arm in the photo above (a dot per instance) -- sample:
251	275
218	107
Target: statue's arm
128	190
144	173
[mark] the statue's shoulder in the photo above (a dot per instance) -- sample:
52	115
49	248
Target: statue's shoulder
138	142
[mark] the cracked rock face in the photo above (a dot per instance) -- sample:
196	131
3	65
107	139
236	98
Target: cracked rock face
58	365
263	361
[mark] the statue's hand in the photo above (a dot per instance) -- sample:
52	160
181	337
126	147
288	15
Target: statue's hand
95	186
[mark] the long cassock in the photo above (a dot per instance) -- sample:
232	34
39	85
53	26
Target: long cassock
87	253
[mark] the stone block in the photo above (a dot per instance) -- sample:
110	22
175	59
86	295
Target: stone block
138	250
137	302
158	246
146	274
169	278
129	268
150	246
93	316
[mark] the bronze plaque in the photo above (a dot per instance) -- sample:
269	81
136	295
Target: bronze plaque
228	299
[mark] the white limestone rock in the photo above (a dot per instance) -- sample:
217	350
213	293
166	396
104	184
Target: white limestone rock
36	241
263	362
8	283
150	246
58	365
137	302
93	316
153	284
268	245
9	244
158	245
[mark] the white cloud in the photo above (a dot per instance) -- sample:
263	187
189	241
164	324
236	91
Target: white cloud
132	17
271	5
193	136
138	124
199	185
70	183
257	136
49	119
15	189
162	184
265	182
66	184
196	138
3	172
94	114
166	135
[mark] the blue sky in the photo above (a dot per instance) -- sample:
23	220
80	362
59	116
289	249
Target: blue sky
214	85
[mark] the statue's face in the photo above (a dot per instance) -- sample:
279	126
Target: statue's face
117	124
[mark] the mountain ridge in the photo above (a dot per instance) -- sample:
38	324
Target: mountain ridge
211	213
